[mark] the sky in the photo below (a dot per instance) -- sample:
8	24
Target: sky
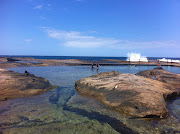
90	27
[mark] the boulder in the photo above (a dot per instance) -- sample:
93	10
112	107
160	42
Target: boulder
14	85
127	93
164	76
172	79
12	59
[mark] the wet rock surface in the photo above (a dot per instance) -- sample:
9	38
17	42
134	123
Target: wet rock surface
127	93
172	79
164	76
15	85
6	62
120	123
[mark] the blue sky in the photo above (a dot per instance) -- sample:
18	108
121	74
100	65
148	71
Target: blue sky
90	27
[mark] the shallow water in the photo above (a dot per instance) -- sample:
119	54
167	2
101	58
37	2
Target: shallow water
64	111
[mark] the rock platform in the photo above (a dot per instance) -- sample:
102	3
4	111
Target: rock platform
14	85
129	94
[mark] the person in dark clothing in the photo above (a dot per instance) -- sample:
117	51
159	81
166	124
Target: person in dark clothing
97	66
92	65
27	73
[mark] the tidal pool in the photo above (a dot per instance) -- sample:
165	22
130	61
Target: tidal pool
64	111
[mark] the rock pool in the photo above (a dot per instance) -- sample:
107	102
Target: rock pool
64	111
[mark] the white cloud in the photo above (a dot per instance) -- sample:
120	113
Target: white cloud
90	42
28	40
77	39
125	44
71	35
38	7
80	40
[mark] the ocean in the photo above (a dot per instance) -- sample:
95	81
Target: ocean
88	58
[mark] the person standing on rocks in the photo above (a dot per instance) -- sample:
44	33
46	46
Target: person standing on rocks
26	72
92	65
158	63
97	66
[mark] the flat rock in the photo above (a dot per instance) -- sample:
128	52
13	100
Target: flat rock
127	93
15	85
164	76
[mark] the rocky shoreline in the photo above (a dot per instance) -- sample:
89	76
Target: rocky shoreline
133	95
65	111
14	85
27	62
6	62
130	94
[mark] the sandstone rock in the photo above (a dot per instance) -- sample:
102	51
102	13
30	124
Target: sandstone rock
15	85
172	79
127	93
162	75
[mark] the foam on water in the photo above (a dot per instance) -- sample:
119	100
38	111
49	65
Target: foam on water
136	57
169	60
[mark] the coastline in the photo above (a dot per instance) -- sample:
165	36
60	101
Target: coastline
77	107
27	62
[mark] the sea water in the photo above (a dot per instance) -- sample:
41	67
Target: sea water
64	111
87	58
